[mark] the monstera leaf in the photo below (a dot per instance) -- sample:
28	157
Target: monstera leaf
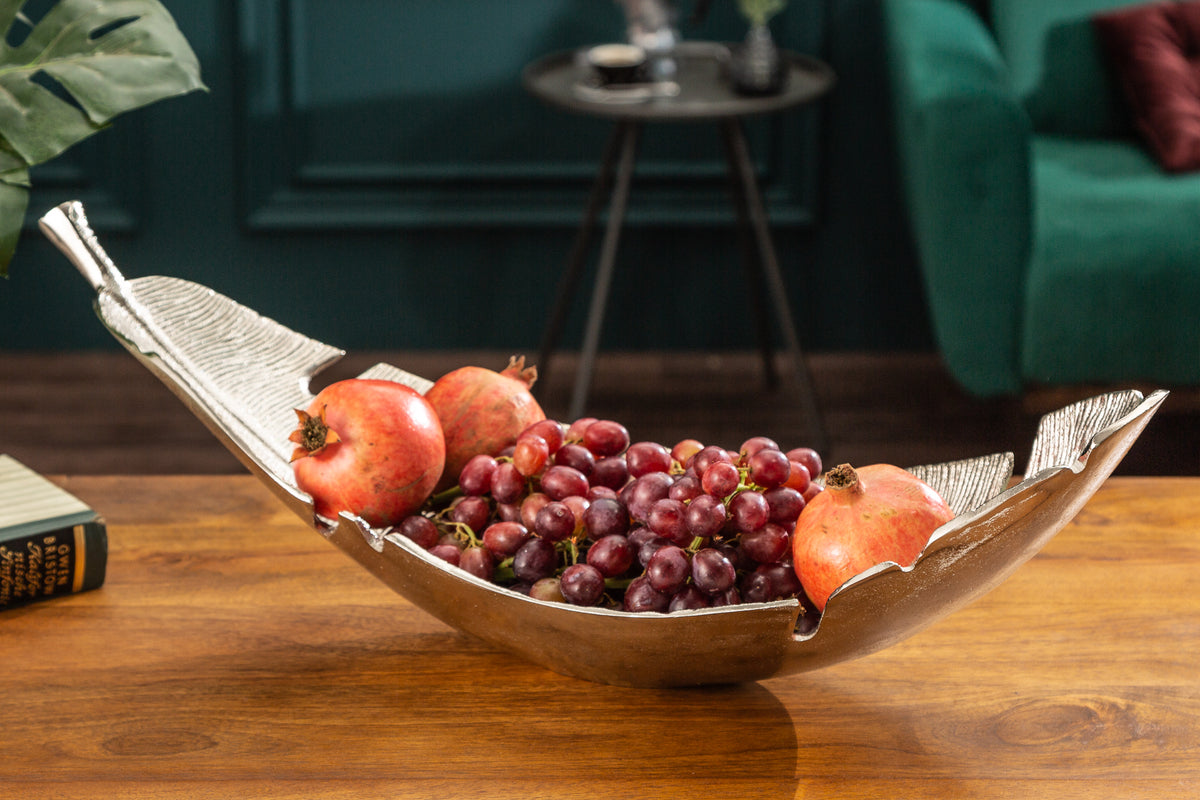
80	65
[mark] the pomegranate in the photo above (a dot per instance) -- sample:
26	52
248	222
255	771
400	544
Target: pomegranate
483	411
864	517
370	447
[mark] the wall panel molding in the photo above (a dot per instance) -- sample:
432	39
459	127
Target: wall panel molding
346	126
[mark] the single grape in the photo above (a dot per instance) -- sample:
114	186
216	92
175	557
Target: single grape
644	492
504	539
798	476
754	444
530	506
810	458
554	522
575	429
689	598
473	511
785	504
548	589
606	438
712	572
447	552
560	482
645	457
536	559
507	484
708	456
582	585
508	512
783	577
476	475
606	517
812	491
550	430
684	449
576	456
597	492
612	473
721	479
705	516
767	545
421	530
579	506
612	555
757	588
641	596
477	561
530	454
685	488
768	468
749	510
729	597
667	518
668	569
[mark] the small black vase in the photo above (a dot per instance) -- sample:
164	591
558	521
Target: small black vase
756	65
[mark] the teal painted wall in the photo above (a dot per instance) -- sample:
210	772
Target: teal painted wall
372	174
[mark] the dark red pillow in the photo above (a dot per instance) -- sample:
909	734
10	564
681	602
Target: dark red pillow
1154	52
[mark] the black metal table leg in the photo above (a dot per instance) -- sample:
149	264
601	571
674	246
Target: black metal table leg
739	161
569	282
629	132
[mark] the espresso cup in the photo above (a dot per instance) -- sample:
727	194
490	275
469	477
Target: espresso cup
617	63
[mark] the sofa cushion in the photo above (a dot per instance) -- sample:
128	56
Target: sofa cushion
1057	66
1153	50
1114	280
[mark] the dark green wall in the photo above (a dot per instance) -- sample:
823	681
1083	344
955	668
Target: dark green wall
372	174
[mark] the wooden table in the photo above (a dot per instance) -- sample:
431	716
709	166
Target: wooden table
233	653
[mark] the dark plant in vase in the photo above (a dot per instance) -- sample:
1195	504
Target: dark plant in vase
757	67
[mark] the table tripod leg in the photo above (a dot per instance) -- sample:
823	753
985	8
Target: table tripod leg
569	282
739	152
751	266
630	132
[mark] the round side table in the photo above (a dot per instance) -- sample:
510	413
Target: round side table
699	91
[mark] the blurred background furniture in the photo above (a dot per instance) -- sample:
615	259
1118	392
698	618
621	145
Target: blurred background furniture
1053	248
701	93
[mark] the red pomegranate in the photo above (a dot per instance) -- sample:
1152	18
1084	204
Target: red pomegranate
864	517
483	411
370	447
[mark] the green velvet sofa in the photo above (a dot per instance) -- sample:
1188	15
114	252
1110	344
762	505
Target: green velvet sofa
1054	247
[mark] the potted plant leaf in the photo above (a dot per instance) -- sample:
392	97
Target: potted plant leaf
66	76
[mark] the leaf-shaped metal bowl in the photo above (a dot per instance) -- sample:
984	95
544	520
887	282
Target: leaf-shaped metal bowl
243	374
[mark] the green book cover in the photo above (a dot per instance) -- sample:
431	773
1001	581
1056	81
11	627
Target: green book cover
51	542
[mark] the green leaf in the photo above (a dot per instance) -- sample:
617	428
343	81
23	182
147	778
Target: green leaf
109	56
14	198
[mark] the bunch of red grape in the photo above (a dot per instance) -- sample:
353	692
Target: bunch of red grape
581	515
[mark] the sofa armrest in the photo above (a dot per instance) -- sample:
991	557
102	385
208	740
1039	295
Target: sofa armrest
963	144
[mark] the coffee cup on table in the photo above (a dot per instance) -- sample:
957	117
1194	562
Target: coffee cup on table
617	63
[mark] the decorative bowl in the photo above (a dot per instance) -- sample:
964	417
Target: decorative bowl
243	374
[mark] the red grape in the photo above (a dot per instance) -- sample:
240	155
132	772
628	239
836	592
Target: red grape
421	530
550	430
606	438
554	522
577	456
644	457
786	505
766	545
768	468
756	443
668	569
606	517
667	518
810	458
612	473
582	585
641	596
504	539
507	484
688	598
749	510
560	482
447	552
476	475
530	454
536	559
721	479
612	555
477	561
712	572
685	449
472	511
530	506
708	456
705	516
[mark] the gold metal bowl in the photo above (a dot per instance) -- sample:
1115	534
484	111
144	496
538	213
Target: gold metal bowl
243	374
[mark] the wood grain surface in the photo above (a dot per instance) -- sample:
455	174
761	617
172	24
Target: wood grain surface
233	653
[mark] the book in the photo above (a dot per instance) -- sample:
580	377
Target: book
51	542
